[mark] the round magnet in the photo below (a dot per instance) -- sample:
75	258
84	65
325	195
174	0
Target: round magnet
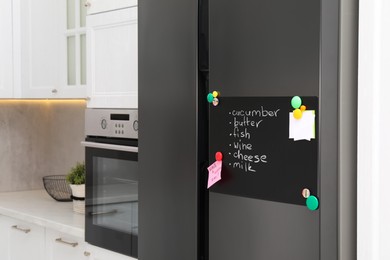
215	94
305	193
218	156
303	108
296	102
297	114
215	102
312	202
210	98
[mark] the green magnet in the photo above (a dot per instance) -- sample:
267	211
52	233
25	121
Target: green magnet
312	202
210	97
296	102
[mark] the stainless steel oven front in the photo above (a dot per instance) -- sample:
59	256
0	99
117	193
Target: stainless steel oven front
111	158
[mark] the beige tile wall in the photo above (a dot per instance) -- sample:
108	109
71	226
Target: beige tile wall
38	138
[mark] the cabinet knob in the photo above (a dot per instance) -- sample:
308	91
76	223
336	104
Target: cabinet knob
86	253
54	91
88	98
87	4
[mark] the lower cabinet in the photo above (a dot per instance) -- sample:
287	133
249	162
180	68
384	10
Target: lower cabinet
20	240
60	246
98	253
4	242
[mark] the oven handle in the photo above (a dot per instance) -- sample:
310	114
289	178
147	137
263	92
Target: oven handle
103	212
110	147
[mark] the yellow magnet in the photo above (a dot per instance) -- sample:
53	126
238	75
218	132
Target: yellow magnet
303	108
297	114
215	94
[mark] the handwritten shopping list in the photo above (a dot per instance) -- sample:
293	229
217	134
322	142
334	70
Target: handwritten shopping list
247	126
303	128
214	173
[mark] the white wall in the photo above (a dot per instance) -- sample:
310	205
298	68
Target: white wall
374	131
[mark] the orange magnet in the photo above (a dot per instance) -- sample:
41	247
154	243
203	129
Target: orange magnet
303	108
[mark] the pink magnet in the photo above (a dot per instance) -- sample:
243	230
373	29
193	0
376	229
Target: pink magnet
218	156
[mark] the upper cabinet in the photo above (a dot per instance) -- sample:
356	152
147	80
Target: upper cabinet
45	43
44	53
6	62
98	6
112	58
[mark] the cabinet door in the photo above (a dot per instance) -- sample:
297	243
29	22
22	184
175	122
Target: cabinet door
4	235
98	6
6	64
112	59
25	240
61	246
98	253
42	47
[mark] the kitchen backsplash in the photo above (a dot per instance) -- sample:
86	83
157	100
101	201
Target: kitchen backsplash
38	138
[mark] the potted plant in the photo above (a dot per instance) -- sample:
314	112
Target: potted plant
76	179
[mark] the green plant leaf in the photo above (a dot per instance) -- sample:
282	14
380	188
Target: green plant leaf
76	174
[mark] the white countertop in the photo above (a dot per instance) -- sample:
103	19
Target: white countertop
39	208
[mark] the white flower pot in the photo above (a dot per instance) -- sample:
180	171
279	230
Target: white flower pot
78	191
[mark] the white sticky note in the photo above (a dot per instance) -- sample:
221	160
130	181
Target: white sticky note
303	128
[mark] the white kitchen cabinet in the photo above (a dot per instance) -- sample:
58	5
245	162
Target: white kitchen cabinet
112	59
40	55
41	42
60	246
21	240
98	6
41	50
4	230
6	58
97	253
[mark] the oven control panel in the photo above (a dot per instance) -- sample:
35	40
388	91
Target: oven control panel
120	123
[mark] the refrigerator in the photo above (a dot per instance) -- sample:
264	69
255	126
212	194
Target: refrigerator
267	90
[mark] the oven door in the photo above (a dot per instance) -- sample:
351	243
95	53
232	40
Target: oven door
111	218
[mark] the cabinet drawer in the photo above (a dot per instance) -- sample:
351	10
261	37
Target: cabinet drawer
61	246
25	240
99	6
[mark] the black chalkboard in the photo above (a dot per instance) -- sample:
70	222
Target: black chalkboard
259	159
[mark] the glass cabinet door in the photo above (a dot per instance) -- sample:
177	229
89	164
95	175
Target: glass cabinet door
76	43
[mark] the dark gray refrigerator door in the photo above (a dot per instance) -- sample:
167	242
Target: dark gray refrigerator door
265	48
168	157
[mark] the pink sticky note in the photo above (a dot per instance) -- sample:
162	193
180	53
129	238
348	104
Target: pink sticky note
214	173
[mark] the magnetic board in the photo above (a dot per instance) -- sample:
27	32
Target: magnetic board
261	160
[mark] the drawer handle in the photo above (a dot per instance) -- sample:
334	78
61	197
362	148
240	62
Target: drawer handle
25	230
104	212
74	244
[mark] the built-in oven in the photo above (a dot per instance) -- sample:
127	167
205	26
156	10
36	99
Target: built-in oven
111	159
